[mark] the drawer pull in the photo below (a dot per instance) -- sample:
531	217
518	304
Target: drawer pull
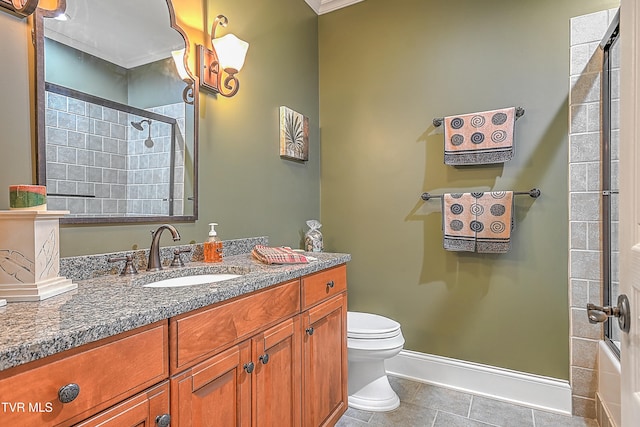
163	420
309	330
330	285
68	393
264	358
248	367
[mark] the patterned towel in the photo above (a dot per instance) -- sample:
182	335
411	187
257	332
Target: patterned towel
478	222
457	220
495	216
278	255
479	138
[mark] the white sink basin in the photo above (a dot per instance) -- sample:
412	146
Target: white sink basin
198	279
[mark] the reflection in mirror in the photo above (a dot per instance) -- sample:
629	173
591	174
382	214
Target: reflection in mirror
118	137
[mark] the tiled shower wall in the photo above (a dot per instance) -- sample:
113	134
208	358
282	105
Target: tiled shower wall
149	167
178	112
94	154
585	276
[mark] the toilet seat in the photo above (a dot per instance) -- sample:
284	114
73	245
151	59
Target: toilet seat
371	326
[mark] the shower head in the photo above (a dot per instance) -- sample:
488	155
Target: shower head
138	125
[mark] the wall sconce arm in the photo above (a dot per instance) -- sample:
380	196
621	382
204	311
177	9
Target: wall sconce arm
212	72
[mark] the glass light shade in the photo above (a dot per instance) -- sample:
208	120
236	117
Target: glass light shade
231	51
178	59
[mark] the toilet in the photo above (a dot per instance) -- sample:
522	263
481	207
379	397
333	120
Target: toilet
371	339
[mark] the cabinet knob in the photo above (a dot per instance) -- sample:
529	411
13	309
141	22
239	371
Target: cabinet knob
68	393
309	330
330	284
248	367
264	358
163	420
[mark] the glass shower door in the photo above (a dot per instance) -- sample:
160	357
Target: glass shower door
610	196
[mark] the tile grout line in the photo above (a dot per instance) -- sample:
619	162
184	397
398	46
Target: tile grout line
533	417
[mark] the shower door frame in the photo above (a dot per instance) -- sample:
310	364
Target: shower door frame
611	36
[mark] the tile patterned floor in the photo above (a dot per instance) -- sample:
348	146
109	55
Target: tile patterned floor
424	405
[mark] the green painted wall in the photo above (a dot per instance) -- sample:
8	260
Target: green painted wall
69	67
16	111
386	70
137	87
144	81
244	185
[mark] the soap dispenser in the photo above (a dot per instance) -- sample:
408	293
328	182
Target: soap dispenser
213	246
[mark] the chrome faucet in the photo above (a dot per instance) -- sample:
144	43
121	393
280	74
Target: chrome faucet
154	262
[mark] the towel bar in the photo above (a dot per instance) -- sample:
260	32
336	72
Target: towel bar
438	121
69	195
534	193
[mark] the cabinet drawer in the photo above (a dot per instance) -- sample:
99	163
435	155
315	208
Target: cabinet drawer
105	373
196	336
325	284
142	410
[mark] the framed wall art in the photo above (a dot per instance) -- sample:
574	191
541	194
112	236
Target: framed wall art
294	135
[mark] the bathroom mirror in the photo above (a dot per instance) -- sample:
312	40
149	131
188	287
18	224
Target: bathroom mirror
117	125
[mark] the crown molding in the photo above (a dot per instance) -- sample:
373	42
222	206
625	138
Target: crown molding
326	6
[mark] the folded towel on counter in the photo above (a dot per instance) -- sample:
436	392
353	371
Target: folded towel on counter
479	138
477	222
278	255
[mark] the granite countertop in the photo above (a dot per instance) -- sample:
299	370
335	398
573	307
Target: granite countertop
108	305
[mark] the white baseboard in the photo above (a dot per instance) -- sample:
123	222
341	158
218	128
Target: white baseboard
548	394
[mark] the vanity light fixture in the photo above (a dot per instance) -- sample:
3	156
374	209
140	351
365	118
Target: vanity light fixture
218	67
179	60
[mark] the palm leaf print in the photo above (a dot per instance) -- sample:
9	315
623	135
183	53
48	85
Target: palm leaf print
294	134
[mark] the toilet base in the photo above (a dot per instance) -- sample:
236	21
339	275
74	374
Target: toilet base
369	388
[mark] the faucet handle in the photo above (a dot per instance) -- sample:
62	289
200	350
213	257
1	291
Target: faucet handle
177	261
129	269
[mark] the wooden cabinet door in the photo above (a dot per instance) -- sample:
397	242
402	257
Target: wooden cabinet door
277	380
148	409
216	392
325	362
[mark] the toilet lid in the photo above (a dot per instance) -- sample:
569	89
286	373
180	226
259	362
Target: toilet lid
370	326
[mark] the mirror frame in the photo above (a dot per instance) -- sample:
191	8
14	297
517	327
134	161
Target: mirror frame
191	93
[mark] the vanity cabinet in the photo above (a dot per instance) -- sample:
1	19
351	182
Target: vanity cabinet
287	364
200	334
73	385
324	348
274	357
254	383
